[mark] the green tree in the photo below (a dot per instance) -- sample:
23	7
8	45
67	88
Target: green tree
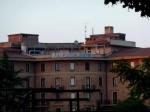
9	79
139	5
138	76
131	105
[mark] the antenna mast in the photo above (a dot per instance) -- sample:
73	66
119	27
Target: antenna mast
92	31
85	28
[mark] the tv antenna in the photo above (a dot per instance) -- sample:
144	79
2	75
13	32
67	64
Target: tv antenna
85	27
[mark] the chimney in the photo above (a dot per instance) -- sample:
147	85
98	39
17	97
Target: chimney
109	29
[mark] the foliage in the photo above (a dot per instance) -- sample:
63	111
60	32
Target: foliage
131	105
9	79
138	76
139	5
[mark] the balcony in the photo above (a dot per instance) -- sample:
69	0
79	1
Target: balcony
108	101
88	87
59	87
39	104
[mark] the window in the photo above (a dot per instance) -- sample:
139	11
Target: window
42	82
88	109
100	81
57	83
99	66
132	64
87	82
42	67
72	66
89	48
43	97
27	67
73	95
58	109
43	110
101	98
13	66
57	95
73	109
114	97
87	95
72	81
87	66
27	83
114	81
57	66
114	65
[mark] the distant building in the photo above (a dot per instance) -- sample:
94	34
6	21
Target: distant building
71	66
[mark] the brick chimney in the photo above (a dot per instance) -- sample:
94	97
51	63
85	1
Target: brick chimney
109	29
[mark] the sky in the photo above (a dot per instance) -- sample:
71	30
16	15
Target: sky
59	21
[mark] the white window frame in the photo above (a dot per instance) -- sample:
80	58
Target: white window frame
87	95
114	81
42	82
88	82
56	83
72	66
57	66
73	109
72	81
72	95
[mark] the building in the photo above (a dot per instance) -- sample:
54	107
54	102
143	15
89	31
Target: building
72	66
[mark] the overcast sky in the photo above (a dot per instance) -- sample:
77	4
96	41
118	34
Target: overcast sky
64	20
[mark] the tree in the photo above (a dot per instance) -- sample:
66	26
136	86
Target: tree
131	105
139	5
138	76
9	79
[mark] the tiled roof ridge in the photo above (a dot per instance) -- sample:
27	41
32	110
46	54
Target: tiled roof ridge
131	52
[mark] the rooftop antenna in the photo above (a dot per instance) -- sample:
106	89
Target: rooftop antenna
85	28
92	31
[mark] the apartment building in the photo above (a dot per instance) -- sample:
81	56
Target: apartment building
73	66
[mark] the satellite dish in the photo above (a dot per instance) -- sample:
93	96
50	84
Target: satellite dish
76	42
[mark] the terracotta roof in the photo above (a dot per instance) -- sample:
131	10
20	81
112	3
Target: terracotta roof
19	55
131	52
14	53
9	49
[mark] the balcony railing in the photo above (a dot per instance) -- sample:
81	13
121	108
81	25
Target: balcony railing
88	87
59	87
109	101
38	104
